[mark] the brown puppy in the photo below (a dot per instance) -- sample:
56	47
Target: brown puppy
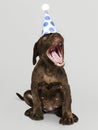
46	97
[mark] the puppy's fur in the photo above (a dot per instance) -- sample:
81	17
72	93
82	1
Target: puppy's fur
50	90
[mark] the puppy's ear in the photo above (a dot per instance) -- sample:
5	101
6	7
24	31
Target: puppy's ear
37	48
35	53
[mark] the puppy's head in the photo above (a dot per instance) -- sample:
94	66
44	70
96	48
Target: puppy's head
50	46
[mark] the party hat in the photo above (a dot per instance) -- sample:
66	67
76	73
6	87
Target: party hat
48	25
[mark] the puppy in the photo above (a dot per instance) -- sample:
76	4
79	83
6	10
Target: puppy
50	90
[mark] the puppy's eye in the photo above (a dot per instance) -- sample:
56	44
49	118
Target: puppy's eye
60	44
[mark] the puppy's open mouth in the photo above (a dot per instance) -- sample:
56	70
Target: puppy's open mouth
55	54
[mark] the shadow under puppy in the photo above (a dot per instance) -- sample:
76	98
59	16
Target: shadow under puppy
50	90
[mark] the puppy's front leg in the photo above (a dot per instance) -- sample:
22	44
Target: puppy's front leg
67	116
36	112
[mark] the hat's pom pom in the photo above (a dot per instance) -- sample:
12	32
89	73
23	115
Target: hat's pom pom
45	7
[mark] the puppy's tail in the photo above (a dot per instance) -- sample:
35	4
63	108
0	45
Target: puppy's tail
21	97
27	98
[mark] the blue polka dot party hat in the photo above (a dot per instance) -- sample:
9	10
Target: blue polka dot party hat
48	25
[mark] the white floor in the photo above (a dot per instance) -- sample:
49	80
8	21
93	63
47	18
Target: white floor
20	28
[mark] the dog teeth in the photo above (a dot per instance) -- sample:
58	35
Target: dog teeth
51	49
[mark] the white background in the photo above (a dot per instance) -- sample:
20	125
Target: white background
20	27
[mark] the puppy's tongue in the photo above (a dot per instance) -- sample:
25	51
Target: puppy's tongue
56	57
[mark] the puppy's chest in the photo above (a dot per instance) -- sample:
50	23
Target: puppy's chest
49	78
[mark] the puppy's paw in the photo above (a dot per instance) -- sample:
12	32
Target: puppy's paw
38	115
75	117
27	112
68	120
